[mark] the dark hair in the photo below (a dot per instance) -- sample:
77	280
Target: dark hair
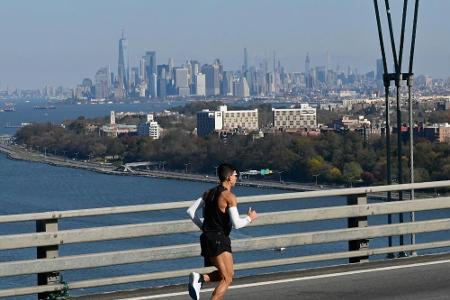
224	171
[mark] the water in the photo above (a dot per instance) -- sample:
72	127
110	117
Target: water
34	187
25	112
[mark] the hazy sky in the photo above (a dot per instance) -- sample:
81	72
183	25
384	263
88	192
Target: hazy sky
60	42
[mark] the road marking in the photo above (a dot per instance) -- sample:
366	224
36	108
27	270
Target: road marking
296	279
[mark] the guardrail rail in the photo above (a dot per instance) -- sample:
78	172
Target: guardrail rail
48	265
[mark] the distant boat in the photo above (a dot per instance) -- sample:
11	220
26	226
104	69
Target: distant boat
9	125
44	107
9	107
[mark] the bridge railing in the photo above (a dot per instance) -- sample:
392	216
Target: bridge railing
48	265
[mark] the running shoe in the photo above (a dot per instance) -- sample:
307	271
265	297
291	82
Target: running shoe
194	285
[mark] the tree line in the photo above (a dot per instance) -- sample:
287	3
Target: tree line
329	157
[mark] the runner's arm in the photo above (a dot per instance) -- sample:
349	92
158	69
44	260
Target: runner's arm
237	221
192	212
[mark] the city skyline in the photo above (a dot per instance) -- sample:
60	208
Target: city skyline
56	38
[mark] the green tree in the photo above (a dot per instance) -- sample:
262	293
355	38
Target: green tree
352	172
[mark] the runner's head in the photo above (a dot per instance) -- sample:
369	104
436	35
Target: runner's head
226	171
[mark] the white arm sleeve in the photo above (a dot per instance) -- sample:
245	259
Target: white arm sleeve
237	221
192	212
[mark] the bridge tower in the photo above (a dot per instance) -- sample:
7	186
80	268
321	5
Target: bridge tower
398	77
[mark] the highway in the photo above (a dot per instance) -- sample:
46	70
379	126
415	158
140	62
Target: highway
411	278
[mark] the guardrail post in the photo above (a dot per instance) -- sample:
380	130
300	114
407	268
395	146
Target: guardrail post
47	252
355	245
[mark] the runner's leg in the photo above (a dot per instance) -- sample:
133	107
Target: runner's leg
224	265
212	277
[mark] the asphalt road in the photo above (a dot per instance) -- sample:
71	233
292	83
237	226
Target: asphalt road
410	278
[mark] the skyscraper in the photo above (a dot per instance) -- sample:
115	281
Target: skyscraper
380	69
123	71
163	73
240	88
102	83
308	79
150	69
134	76
181	81
227	84
327	67
199	84
212	79
142	70
307	64
152	86
150	62
245	61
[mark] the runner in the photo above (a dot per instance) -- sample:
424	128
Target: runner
220	215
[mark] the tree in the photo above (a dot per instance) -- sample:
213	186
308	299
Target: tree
368	178
316	165
333	174
352	172
97	149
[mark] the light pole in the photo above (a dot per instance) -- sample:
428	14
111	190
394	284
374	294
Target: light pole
316	175
279	174
186	167
216	170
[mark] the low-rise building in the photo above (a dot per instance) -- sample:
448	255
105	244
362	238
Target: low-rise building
117	129
246	120
242	121
294	119
149	128
208	122
349	123
437	132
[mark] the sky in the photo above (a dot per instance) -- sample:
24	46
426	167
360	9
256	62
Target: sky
60	42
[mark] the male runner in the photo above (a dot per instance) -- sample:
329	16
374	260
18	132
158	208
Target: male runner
220	214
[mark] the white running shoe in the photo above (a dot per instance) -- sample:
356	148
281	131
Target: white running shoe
194	285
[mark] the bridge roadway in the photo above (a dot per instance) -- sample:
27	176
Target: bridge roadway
425	277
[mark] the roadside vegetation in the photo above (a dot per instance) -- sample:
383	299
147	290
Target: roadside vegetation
331	157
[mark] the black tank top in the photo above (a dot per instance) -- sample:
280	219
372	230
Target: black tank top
214	219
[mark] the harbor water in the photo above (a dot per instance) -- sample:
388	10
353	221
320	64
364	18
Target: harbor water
27	187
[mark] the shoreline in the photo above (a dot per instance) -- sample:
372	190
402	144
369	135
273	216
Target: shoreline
16	152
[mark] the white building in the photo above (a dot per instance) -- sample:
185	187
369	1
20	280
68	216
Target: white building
112	117
239	119
226	120
200	84
115	130
294	118
150	128
240	88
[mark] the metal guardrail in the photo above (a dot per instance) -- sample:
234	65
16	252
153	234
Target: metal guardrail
48	265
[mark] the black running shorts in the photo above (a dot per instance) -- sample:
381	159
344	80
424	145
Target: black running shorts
212	244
